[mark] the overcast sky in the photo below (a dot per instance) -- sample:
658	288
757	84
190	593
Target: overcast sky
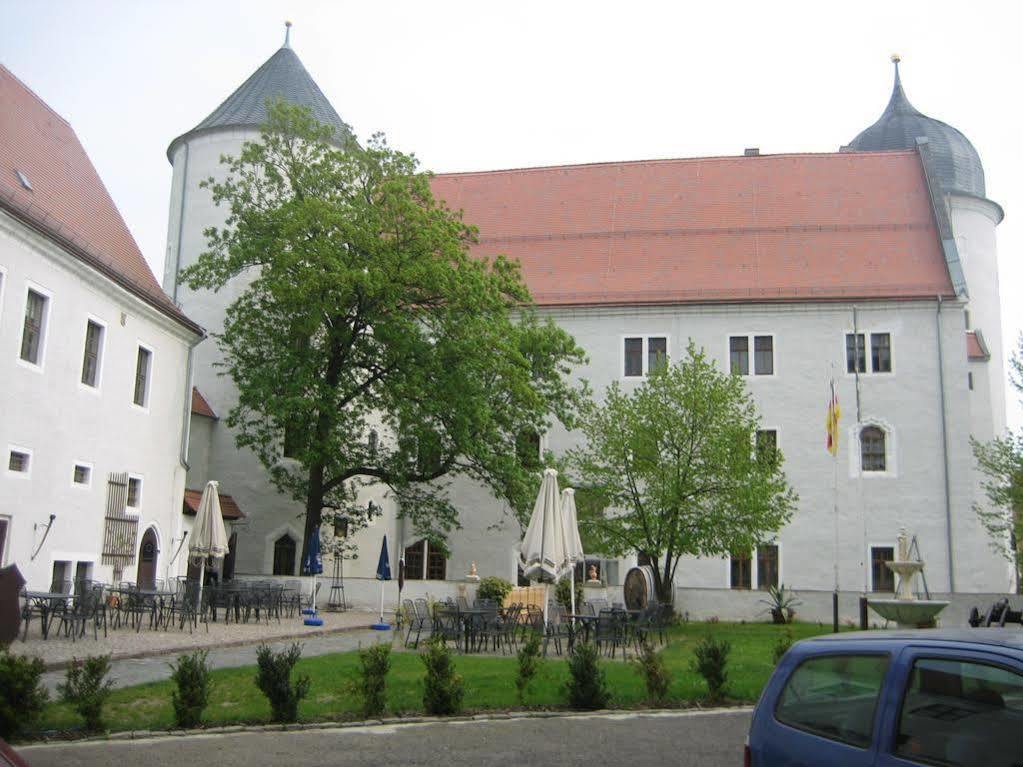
474	86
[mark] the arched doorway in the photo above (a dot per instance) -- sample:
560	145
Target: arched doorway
146	577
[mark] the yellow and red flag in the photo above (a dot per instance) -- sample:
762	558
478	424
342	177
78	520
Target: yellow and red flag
831	423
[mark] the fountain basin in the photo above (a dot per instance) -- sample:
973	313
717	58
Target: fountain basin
908	613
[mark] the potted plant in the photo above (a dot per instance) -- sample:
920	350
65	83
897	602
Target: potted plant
781	603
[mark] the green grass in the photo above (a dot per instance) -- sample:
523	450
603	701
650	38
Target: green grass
489	683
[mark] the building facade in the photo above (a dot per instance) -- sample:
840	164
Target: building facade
95	389
874	266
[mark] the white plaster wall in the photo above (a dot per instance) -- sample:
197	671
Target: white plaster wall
808	341
48	410
973	222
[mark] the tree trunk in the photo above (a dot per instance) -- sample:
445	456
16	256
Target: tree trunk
313	509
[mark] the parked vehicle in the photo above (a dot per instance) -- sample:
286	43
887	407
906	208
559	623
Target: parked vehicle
888	698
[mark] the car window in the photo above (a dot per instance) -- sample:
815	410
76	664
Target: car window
963	713
834	696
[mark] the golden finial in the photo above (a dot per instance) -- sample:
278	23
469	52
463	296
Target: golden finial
287	34
896	58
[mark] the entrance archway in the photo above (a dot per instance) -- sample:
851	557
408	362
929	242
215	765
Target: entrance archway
148	552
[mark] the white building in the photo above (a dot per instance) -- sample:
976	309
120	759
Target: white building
875	265
94	393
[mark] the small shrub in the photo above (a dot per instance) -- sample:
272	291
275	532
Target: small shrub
529	665
191	677
86	689
563	593
371	686
22	695
587	685
443	689
650	665
494	588
782	646
711	663
274	680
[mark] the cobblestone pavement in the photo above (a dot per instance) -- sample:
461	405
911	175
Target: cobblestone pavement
144	656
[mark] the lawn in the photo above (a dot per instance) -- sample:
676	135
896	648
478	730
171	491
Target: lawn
489	683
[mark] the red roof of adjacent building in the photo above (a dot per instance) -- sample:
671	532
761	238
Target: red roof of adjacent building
976	349
762	228
200	406
67	201
228	508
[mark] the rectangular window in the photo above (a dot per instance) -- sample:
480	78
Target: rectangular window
766	444
142	365
83	474
738	355
741	571
656	354
881	578
60	580
633	356
35	326
763	355
18	461
855	353
835	697
436	564
881	352
134	493
767	567
93	347
414	561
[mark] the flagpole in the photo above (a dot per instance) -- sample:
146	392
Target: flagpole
833	449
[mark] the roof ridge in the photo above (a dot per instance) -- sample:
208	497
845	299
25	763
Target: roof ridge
669	161
36	96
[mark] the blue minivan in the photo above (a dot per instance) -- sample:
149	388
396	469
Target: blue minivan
886	698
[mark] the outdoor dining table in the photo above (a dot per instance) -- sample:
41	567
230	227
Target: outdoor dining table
150	600
48	603
473	620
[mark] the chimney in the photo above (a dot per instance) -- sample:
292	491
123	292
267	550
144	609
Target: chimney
751	151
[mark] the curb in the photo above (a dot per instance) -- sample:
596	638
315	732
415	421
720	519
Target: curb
151	735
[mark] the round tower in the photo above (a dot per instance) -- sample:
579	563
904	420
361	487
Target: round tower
195	157
973	216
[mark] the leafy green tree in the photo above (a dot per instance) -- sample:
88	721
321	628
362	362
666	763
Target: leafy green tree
672	469
368	345
1001	463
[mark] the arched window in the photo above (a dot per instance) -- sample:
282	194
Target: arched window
284	555
872	449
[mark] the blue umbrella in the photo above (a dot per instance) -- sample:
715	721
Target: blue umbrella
384	563
313	565
383	574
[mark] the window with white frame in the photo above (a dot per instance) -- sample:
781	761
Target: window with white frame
82	474
34	329
19	460
739	355
880	353
643	355
873	449
143	364
92	354
134	500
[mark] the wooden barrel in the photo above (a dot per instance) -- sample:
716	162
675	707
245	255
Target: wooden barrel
639	587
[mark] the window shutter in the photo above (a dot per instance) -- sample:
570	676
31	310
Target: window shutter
120	530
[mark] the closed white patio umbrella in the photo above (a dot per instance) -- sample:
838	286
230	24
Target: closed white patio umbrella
209	536
573	544
543	547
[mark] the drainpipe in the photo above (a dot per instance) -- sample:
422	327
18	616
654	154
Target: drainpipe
186	420
944	447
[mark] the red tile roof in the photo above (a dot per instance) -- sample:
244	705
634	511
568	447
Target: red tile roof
976	349
200	406
228	508
67	202
772	227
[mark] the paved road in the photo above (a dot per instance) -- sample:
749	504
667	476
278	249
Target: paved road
132	671
700	739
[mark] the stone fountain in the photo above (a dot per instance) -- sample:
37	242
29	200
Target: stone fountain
905	609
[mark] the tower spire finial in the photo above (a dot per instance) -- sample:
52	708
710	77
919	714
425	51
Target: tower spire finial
287	34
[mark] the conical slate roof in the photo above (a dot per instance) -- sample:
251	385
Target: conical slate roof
956	161
281	76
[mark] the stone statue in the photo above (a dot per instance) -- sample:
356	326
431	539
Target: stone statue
592	573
